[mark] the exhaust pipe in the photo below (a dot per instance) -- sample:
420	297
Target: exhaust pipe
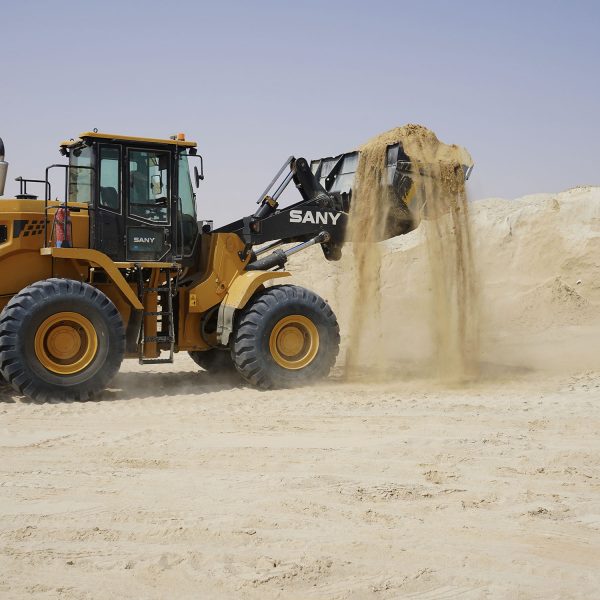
3	168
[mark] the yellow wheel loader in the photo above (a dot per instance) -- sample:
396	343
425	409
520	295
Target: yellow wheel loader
121	267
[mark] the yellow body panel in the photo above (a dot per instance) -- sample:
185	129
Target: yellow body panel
225	265
20	253
246	283
97	259
189	335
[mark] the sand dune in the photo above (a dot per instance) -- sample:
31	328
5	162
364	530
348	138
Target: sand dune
175	484
538	266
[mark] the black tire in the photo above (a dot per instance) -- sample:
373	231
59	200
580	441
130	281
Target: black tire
26	315
256	325
214	361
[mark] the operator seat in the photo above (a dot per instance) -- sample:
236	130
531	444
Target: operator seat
109	198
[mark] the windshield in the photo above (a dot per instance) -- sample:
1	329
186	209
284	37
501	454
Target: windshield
80	175
149	185
187	205
186	193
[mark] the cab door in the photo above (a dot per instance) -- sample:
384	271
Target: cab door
108	218
148	177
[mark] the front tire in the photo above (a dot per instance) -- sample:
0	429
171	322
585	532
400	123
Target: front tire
285	337
60	339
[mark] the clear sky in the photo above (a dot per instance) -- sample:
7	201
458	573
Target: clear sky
517	83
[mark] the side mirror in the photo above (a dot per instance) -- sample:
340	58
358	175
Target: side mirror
198	177
3	168
156	185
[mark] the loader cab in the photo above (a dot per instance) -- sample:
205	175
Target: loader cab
141	202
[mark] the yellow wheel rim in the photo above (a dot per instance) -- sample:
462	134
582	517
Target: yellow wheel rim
294	342
66	343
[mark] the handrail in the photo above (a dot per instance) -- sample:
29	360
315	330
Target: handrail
23	184
179	221
66	200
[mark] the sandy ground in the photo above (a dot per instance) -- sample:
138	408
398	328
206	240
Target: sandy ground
175	484
183	487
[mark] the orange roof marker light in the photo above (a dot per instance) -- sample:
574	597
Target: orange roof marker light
181	137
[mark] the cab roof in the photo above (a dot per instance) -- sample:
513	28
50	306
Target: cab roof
128	138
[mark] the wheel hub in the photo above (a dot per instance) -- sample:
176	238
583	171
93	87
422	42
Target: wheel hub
66	343
63	342
294	342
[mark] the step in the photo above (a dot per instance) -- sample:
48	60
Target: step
159	338
155	361
156	313
157	289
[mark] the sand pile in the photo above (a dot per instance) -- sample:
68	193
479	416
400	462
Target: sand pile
437	200
538	262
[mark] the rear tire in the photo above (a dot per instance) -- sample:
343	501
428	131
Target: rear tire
214	360
286	336
60	339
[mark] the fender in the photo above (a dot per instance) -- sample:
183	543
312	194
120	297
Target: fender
238	294
99	259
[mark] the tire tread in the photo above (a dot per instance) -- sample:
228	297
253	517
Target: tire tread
245	347
22	305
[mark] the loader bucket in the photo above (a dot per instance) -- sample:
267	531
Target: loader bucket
337	174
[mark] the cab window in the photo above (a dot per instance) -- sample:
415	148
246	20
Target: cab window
110	178
80	175
149	185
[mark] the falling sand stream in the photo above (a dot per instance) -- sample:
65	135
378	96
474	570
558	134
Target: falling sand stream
438	204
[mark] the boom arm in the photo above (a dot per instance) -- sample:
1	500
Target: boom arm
320	217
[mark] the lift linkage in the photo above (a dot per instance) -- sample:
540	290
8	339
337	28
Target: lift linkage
320	217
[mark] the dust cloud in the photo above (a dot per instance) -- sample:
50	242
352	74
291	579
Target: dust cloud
436	202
